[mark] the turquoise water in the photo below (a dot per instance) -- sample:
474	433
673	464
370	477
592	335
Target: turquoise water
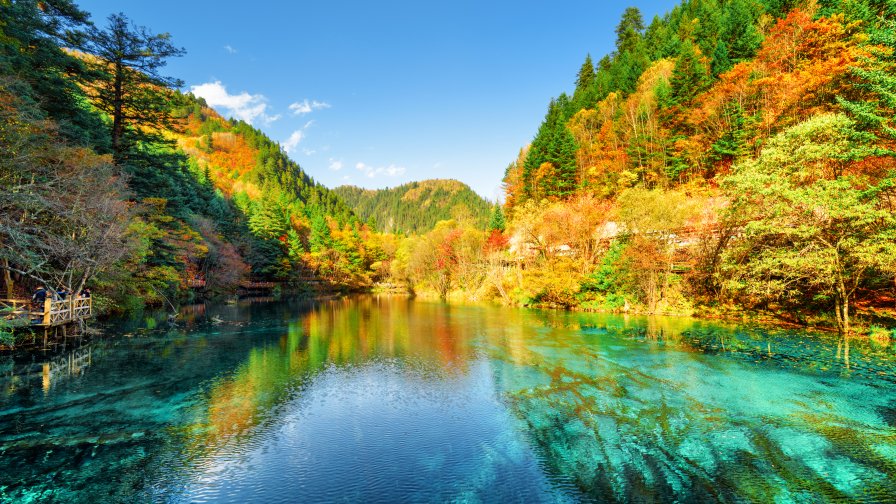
390	400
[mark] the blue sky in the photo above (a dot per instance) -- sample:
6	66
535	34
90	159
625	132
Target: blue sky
377	94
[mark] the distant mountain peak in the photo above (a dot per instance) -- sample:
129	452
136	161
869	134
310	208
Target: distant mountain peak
416	207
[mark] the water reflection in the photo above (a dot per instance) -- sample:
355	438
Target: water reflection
378	399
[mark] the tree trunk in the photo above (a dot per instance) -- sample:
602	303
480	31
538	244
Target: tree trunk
7	279
842	309
845	308
838	313
117	113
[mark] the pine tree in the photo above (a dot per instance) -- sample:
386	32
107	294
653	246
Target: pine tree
585	78
629	30
31	36
873	101
320	239
130	88
563	157
538	151
740	33
720	61
689	77
497	222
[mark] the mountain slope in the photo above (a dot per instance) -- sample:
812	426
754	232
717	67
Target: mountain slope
245	164
416	207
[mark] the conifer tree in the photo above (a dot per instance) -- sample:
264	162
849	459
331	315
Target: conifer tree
497	222
720	60
740	33
585	78
629	30
873	103
320	239
563	157
32	34
689	76
130	87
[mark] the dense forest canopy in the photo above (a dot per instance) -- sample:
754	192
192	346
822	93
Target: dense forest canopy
417	207
761	130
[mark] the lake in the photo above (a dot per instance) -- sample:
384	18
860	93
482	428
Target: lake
378	399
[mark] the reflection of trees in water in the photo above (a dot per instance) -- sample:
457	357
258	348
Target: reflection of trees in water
336	332
48	371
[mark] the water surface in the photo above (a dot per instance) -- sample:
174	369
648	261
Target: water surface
389	400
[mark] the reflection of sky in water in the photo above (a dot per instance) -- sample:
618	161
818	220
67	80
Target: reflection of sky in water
389	400
385	434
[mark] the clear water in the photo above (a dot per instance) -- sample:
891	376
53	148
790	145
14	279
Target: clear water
390	400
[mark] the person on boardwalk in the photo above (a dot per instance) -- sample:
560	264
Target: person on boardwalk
39	296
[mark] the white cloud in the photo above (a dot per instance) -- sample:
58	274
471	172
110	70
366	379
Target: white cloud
229	49
371	172
290	144
335	165
306	107
293	141
245	106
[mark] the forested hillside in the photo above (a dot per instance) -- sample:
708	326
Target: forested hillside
416	207
732	151
729	157
112	179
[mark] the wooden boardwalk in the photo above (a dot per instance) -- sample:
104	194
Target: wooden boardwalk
53	313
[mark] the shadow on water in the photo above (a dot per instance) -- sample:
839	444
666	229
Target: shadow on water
384	399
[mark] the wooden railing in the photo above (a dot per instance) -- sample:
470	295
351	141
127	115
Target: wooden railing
258	285
52	312
69	310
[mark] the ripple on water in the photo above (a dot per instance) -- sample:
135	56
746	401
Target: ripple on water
372	400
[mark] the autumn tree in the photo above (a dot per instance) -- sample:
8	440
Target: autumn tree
63	214
446	257
652	219
812	224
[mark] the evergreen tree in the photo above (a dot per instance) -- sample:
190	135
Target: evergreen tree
873	102
629	30
660	41
709	15
31	36
130	87
626	70
563	157
497	222
539	150
740	33
689	76
585	78
720	60
320	239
